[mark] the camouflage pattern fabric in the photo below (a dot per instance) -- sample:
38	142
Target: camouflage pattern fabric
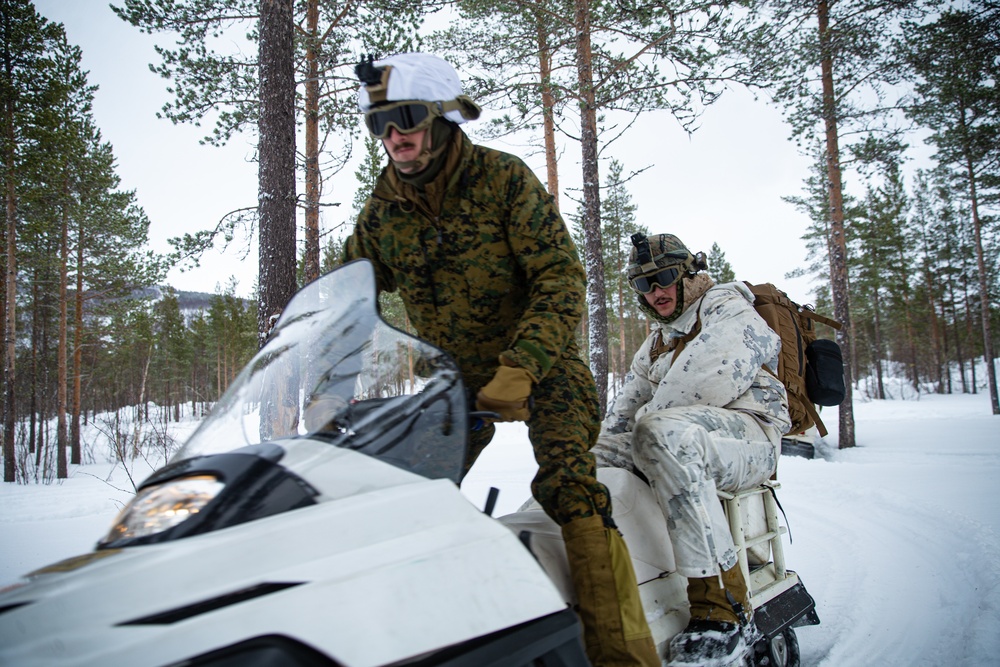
488	271
688	454
562	428
727	365
711	419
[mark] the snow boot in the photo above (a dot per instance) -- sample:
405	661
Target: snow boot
720	598
721	631
708	644
615	630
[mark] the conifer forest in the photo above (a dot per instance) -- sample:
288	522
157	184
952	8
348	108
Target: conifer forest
906	259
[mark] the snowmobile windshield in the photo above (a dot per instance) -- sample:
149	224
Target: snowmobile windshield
333	370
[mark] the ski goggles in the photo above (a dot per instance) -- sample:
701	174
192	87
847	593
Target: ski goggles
663	278
406	117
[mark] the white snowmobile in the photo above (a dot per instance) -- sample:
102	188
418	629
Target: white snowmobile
315	518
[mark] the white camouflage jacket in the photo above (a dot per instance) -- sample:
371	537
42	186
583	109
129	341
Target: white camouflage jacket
723	366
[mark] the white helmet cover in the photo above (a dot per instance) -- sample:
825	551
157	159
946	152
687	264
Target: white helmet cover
421	76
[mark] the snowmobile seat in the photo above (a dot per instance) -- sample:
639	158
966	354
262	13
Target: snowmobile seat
638	518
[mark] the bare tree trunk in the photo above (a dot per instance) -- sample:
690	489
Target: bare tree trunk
62	469
10	287
33	370
548	104
622	357
911	346
973	389
958	335
984	301
838	255
276	187
312	176
593	254
936	341
277	196
877	349
77	407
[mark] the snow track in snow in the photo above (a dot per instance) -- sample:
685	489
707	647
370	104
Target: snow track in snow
903	573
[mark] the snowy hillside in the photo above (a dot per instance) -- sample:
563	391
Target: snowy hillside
897	539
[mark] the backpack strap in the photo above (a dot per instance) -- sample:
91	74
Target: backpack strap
808	406
680	342
660	346
813	315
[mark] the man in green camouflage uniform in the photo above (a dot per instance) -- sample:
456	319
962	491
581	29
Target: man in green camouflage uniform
488	272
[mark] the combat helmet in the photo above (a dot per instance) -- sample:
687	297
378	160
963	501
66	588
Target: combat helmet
661	260
408	91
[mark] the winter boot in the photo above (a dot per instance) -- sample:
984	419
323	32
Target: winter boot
614	625
721	630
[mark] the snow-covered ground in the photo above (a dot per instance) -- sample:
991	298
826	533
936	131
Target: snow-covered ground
898	540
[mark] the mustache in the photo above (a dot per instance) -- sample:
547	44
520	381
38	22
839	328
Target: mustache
405	143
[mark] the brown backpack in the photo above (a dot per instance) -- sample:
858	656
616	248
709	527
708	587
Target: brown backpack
811	372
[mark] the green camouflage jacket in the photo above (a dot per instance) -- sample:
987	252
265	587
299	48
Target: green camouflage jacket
484	264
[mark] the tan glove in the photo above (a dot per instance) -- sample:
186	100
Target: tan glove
508	393
321	412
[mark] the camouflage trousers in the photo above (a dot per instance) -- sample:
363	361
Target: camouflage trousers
688	454
562	428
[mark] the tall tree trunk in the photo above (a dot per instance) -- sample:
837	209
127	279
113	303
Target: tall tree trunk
944	346
936	341
77	401
548	104
33	371
276	175
838	256
960	357
984	301
911	345
877	348
277	196
62	439
10	287
622	356
969	337
593	253
311	260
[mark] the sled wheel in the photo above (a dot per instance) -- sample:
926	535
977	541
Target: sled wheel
783	650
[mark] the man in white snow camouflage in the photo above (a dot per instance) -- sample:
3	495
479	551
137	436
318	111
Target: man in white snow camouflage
487	270
701	410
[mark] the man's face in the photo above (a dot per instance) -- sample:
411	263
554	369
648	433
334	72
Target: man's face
405	147
664	301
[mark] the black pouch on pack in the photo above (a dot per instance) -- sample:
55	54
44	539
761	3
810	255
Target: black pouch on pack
825	372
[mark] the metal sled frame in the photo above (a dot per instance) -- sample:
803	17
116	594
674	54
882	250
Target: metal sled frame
777	595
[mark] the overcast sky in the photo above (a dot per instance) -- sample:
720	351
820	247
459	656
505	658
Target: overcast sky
724	184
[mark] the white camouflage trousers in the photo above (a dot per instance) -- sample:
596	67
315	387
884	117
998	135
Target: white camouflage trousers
687	454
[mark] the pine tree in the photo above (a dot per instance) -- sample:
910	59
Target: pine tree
596	58
957	64
719	268
618	224
29	87
927	225
826	81
223	87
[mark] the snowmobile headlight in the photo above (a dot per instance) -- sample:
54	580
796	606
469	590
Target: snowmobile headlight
163	506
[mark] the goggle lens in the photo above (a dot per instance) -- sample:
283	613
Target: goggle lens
406	118
664	278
